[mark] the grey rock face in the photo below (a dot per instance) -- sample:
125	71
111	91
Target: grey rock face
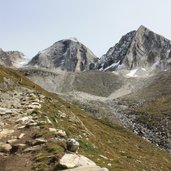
148	50
67	55
12	58
116	54
142	48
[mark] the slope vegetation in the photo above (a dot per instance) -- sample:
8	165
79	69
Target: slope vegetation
108	145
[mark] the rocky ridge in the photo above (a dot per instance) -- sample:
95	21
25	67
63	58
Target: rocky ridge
142	48
12	58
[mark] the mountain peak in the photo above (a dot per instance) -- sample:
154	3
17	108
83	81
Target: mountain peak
74	39
142	48
66	55
142	27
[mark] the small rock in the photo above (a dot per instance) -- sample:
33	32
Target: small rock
60	133
48	120
61	114
39	141
35	148
20	145
109	164
21	127
5	147
52	130
104	157
72	145
32	123
5	133
23	120
5	111
34	106
11	141
42	122
21	136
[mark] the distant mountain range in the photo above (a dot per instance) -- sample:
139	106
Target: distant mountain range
12	58
137	49
130	83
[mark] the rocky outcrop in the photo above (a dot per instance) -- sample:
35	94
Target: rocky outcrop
12	58
142	48
116	54
66	55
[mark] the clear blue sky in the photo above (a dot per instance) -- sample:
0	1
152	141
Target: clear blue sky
33	25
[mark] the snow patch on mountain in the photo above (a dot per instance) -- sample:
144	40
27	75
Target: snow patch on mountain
132	73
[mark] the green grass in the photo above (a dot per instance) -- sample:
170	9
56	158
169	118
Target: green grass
124	150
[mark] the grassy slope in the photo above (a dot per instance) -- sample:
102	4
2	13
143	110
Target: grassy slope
124	150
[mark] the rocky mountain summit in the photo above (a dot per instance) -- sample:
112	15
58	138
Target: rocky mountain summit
138	49
66	55
12	58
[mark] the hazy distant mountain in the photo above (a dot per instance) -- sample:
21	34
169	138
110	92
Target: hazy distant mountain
67	55
142	48
12	58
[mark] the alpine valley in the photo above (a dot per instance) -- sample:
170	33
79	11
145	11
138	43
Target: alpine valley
67	109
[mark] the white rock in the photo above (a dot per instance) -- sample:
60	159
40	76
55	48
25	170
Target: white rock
84	161
21	127
60	133
86	168
69	160
40	141
5	133
5	147
104	169
104	157
20	145
23	119
52	129
11	141
21	136
4	111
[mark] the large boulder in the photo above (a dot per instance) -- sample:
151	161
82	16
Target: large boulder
69	160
